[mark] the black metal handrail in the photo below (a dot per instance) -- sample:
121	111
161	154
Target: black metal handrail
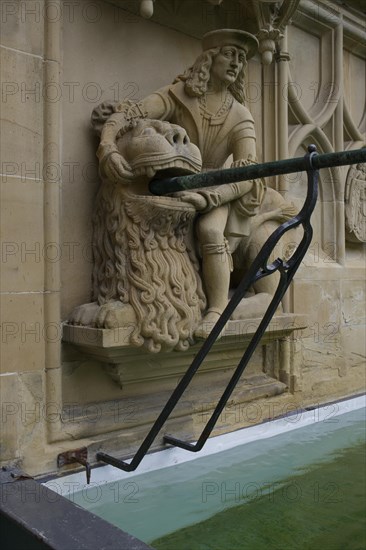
259	269
164	186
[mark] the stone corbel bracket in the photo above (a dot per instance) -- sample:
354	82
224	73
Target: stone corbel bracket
147	8
272	19
126	364
268	39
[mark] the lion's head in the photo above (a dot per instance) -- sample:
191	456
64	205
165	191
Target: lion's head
146	146
155	145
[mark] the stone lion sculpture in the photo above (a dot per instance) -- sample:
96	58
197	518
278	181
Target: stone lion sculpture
146	273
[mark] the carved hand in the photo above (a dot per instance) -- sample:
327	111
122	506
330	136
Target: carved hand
226	193
280	215
196	199
244	162
112	164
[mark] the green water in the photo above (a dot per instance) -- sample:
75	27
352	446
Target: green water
300	490
324	508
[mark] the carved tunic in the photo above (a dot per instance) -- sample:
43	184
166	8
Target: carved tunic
215	136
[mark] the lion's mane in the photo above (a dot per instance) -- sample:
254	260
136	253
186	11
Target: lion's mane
141	258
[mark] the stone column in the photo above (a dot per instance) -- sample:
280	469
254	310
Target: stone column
30	187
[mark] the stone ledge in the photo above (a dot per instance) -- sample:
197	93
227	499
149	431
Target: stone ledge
137	368
112	345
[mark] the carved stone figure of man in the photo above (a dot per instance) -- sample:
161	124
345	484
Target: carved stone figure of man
207	101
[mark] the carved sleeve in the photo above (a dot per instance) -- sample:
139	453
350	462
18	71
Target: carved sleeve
243	147
160	105
242	142
155	106
250	202
217	196
248	195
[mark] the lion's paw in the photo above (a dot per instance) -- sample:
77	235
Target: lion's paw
84	315
114	315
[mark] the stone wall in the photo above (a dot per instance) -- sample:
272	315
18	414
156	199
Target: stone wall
59	62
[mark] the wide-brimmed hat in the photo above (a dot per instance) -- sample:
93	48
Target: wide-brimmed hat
232	37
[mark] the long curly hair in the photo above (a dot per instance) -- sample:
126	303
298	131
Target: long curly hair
142	257
197	76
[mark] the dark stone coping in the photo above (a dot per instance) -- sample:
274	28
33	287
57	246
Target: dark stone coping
32	517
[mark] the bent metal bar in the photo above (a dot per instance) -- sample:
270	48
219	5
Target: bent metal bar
259	269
